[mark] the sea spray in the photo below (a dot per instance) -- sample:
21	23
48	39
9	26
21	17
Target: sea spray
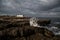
55	30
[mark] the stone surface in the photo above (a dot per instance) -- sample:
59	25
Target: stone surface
19	31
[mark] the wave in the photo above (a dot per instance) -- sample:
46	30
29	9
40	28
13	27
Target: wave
54	29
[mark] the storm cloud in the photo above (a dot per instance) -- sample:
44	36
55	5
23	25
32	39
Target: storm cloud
30	7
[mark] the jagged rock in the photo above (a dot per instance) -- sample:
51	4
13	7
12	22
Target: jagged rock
13	30
49	33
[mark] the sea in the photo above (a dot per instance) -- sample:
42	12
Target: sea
54	26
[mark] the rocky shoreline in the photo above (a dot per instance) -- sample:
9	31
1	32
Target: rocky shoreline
17	30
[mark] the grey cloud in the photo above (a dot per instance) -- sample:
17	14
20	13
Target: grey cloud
57	9
49	14
39	7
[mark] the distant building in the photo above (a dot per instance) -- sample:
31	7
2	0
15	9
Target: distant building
20	16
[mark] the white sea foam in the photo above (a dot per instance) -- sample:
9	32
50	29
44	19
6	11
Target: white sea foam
55	30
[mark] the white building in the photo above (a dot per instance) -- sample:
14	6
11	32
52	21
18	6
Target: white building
19	15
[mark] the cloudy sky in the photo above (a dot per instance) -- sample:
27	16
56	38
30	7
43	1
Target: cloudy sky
41	8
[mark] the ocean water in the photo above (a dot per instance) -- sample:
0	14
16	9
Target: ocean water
54	29
54	26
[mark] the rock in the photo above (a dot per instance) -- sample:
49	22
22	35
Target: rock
48	33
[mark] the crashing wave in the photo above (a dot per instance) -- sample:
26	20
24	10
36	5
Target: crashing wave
55	30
